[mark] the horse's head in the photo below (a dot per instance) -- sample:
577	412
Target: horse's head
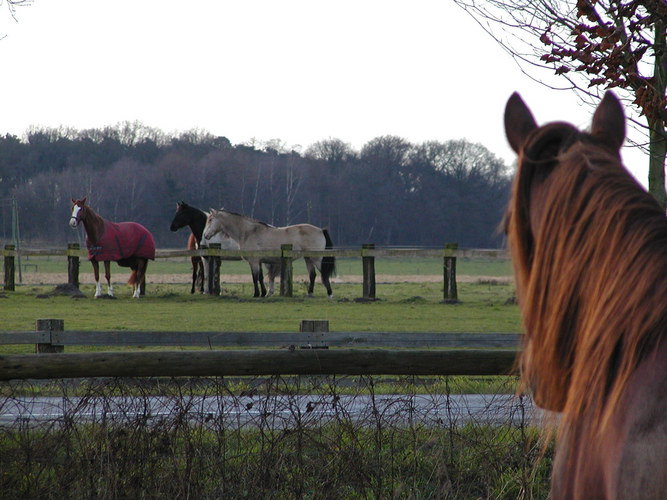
549	163
213	224
541	149
181	218
78	212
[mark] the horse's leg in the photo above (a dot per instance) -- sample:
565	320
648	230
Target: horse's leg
195	270
198	275
326	266
272	270
257	277
201	273
311	275
96	273
107	275
140	283
325	273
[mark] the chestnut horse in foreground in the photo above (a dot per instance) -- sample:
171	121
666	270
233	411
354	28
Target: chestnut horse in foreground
589	249
129	244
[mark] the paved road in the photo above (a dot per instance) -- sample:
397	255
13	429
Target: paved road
275	412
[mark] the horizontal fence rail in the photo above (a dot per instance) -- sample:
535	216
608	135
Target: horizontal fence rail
214	255
257	362
295	353
264	339
471	253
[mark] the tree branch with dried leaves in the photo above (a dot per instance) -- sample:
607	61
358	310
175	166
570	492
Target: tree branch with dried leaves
593	46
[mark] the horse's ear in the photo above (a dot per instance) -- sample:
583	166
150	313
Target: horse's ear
519	122
609	122
83	202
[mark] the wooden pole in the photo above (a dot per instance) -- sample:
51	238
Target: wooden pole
10	269
49	325
451	295
368	268
73	264
258	362
286	273
318	328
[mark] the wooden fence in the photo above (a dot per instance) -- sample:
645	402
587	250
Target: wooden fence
368	253
304	353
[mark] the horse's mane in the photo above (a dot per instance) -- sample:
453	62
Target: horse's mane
592	281
245	217
191	208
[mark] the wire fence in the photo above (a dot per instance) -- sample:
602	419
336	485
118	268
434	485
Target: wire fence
270	437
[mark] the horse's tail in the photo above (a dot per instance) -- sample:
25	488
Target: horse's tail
328	262
133	278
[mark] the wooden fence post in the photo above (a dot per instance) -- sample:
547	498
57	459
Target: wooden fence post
368	267
319	328
49	325
73	264
449	274
10	270
286	286
213	272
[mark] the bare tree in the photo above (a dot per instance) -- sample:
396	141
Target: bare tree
594	45
332	151
12	5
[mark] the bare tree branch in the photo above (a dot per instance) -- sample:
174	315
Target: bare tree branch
594	46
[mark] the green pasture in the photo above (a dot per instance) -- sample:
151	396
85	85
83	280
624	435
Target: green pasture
485	304
484	307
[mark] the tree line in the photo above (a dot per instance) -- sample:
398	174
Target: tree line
391	192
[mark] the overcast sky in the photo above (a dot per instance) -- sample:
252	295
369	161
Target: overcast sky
297	71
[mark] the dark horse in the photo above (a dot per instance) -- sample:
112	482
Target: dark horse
589	248
195	219
129	244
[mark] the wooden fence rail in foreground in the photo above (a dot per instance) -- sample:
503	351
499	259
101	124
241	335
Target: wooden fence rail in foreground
367	253
302	353
51	336
257	362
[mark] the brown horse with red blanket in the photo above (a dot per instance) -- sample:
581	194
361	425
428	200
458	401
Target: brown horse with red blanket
129	244
589	248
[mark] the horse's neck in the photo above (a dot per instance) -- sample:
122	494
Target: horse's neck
197	223
94	225
239	226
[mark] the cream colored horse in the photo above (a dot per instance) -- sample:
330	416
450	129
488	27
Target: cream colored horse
255	235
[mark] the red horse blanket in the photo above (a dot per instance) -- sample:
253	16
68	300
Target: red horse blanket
121	241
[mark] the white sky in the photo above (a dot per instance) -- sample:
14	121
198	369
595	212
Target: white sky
297	71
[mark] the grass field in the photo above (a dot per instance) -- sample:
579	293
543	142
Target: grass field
379	457
406	302
415	305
